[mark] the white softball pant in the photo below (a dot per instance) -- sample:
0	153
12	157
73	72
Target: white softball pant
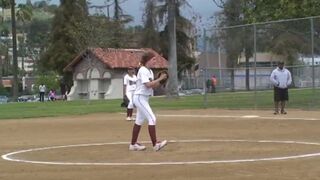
144	110
129	94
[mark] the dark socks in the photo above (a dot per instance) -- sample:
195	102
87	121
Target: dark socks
283	105
276	107
135	133
152	133
129	112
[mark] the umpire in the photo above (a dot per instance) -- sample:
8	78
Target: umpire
281	79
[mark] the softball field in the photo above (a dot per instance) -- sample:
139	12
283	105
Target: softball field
203	144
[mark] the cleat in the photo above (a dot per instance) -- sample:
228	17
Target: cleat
283	112
160	145
137	147
129	119
276	112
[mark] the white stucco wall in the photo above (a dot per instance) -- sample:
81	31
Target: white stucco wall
115	90
95	85
73	94
93	80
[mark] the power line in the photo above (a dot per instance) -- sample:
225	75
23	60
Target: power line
263	23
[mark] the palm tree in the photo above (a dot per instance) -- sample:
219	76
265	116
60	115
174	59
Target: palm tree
14	52
171	9
3	4
172	89
24	13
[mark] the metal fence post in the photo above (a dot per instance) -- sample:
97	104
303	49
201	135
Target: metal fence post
312	54
205	98
205	69
255	63
312	51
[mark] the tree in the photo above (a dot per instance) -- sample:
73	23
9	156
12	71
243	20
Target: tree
117	10
4	4
24	13
262	11
49	79
37	39
29	3
119	20
271	37
42	4
118	34
173	80
14	51
63	45
4	31
232	39
178	51
150	36
3	50
286	38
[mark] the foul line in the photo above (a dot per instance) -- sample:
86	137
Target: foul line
276	117
243	117
10	156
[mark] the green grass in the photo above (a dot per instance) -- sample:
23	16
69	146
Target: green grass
306	99
58	108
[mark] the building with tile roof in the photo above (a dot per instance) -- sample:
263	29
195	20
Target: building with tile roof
98	73
7	83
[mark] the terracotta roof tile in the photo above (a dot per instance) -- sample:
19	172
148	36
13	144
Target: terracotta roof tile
121	58
6	83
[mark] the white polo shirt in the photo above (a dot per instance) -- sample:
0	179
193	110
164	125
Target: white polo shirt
144	75
130	82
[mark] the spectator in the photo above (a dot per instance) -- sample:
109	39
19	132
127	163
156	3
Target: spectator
208	85
281	79
52	95
213	84
42	91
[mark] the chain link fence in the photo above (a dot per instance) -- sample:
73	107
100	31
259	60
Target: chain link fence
242	57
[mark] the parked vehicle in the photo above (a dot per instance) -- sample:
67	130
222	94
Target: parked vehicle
27	98
3	99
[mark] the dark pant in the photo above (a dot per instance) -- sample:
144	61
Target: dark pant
213	88
280	94
41	96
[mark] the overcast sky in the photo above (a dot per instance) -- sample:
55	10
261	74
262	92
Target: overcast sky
202	8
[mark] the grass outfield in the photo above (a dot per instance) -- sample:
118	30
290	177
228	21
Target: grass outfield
298	98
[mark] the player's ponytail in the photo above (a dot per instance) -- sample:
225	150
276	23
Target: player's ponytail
146	57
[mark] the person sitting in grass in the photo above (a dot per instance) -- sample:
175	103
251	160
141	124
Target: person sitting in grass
52	95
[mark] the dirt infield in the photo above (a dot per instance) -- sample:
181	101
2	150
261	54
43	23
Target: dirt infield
204	144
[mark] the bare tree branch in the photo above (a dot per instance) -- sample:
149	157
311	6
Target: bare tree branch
219	3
